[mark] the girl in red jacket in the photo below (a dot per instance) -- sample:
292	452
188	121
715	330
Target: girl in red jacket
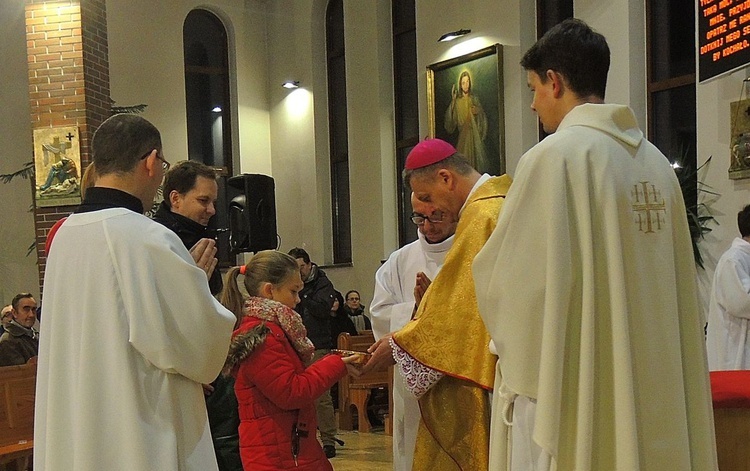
267	356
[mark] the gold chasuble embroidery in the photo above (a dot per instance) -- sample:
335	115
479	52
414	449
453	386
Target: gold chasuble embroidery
448	335
649	207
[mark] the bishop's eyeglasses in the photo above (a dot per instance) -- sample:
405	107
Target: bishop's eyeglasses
419	219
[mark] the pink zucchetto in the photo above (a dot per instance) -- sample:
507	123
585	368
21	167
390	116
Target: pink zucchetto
428	152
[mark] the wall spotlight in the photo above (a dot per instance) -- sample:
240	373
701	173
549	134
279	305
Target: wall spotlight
454	34
291	84
217	109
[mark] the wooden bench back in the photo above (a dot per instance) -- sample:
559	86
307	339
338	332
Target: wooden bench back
18	390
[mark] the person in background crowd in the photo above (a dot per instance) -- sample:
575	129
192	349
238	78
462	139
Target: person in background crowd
340	323
6	316
88	180
20	341
356	311
340	320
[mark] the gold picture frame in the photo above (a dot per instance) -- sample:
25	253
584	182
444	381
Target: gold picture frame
465	106
57	166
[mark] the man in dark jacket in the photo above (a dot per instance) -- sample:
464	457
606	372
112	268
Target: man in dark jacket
190	193
316	300
20	340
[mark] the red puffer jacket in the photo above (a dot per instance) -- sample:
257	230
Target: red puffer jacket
276	395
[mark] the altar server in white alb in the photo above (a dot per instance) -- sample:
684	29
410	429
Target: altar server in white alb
130	327
587	287
408	271
729	311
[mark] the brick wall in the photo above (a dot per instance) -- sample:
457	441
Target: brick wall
68	81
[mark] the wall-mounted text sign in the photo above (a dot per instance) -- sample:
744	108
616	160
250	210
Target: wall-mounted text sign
723	36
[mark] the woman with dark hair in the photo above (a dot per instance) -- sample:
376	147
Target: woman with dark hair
356	311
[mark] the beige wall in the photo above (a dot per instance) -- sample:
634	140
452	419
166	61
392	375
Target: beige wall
17	271
146	66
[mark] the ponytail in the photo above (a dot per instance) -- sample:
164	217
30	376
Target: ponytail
231	297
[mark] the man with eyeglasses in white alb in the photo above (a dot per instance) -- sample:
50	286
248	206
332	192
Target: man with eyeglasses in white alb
400	284
447	342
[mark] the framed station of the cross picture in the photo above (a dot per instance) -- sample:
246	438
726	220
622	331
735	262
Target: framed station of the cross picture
57	166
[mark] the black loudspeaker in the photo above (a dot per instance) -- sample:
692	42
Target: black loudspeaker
252	214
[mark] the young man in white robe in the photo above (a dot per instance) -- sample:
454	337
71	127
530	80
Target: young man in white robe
408	272
729	310
587	287
130	327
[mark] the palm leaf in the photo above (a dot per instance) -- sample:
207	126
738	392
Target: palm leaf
26	172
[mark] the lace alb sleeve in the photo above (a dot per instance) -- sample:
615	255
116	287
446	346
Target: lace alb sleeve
418	377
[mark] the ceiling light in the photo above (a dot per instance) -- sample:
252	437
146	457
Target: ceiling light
454	34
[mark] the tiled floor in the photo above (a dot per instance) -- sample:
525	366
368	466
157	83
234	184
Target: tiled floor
363	452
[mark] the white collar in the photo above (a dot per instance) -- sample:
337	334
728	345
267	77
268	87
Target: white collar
437	247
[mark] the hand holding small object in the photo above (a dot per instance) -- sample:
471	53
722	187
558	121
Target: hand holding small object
353	364
382	355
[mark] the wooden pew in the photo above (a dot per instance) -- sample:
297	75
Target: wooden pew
17	390
355	392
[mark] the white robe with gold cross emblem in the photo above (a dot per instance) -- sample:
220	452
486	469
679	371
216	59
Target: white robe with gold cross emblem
587	287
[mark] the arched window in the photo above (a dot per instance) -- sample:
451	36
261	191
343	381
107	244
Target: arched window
338	133
207	90
209	110
403	18
672	119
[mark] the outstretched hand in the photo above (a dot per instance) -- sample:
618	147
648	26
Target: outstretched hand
353	364
382	355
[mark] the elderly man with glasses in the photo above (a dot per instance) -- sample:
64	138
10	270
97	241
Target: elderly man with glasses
20	341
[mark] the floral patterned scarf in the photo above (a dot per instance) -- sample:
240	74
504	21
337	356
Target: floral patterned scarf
289	321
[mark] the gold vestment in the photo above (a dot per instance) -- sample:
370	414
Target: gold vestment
448	335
